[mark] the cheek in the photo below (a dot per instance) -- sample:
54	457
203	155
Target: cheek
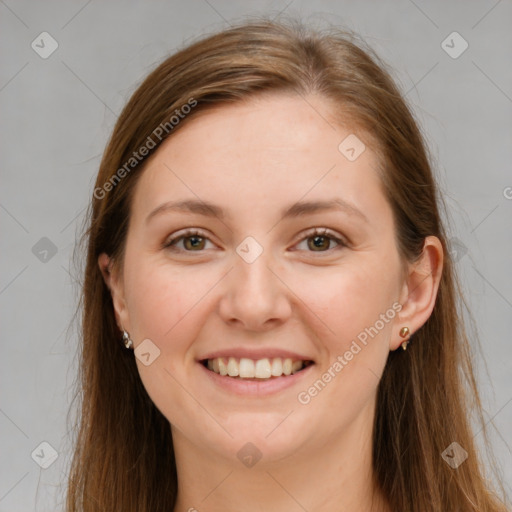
161	296
167	306
355	306
350	300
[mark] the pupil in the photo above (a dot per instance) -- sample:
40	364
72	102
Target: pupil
195	241
317	242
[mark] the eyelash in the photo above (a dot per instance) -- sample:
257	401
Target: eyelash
189	233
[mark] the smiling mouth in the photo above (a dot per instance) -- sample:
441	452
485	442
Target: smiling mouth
263	369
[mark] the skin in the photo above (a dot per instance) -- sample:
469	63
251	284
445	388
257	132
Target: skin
254	159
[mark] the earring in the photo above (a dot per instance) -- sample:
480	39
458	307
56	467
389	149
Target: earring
128	343
404	331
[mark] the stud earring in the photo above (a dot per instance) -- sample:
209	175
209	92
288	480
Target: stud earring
404	332
128	343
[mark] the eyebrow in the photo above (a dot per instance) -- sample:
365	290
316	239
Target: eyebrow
298	209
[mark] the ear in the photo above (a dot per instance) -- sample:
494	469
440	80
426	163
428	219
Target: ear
114	281
419	291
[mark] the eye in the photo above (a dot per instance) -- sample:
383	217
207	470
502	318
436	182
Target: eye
320	240
193	241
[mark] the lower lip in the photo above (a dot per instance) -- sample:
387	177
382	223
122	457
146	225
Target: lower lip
256	387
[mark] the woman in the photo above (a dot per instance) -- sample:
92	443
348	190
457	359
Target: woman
270	312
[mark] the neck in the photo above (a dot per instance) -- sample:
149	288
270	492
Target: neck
333	475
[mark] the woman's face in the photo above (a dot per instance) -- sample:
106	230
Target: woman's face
253	282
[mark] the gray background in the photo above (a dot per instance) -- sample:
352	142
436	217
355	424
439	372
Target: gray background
58	112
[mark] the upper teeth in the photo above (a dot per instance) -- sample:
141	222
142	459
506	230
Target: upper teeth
249	368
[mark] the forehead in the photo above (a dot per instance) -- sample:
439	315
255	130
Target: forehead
262	153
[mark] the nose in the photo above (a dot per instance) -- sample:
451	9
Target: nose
255	297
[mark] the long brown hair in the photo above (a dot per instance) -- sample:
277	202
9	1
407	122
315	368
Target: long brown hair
123	457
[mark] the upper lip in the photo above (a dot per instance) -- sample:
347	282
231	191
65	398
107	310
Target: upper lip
256	354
